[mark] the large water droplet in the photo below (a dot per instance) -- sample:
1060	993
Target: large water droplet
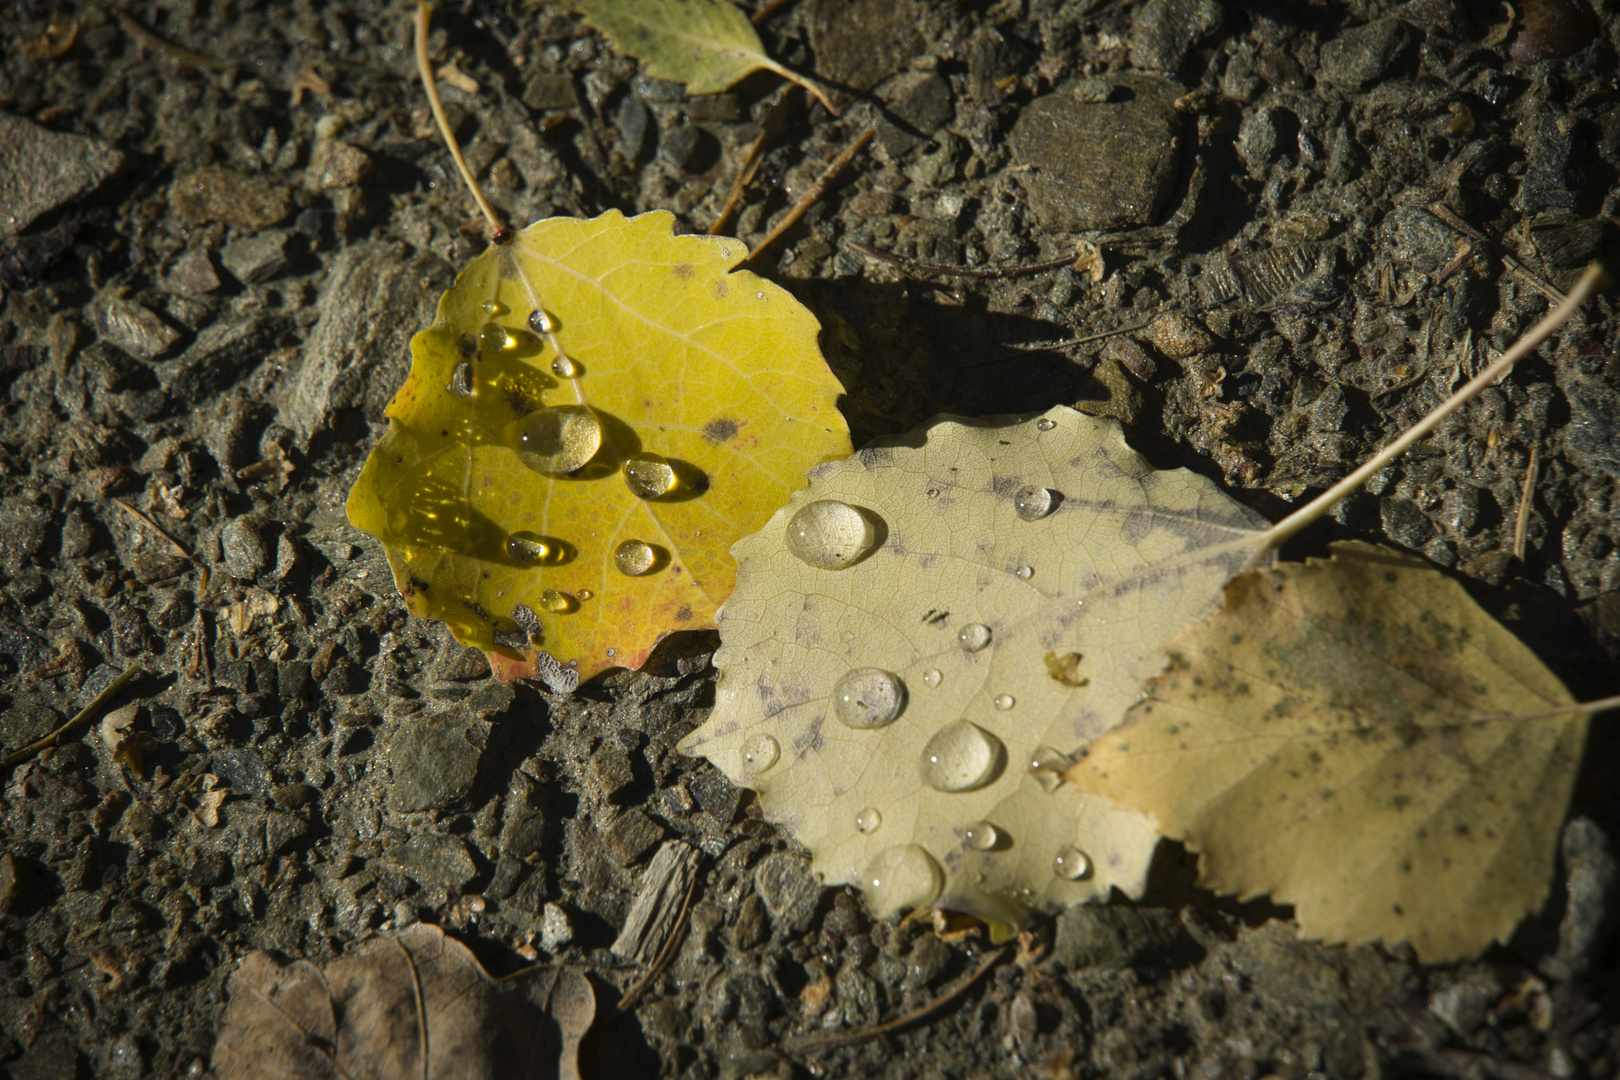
634	557
493	337
960	757
1047	765
560	439
980	836
541	322
1045	425
902	877
564	368
527	547
829	534
1072	863
1033	502
1003	702
868	698
461	380
759	754
973	636
869	820
648	476
932	677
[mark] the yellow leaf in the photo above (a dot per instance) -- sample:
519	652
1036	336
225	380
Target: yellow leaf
998	628
1341	735
499	491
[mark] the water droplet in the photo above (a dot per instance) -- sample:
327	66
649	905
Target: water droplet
1033	502
1072	863
932	493
974	636
461	380
1004	702
648	476
564	368
585	594
541	322
526	547
558	603
759	754
868	698
493	337
829	534
869	820
1045	425
612	652
902	877
634	558
931	678
980	836
1047	766
559	440
960	757
1025	572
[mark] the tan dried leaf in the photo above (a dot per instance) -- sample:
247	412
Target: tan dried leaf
1356	737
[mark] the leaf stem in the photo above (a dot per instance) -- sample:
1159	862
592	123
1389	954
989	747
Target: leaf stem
1593	280
817	190
805	81
84	716
424	13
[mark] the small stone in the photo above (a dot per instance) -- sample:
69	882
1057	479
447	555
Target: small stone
23	528
753	925
545	92
432	860
1130	356
1405	523
1108	392
336	164
242	542
11	883
613	770
192	274
635	123
135	329
789	889
249	202
1177	336
859	43
1164	31
631	836
1091	936
434	760
555	929
242	770
1362	53
718	796
283	831
252	259
1590	911
1464	1004
294	796
685	148
41	170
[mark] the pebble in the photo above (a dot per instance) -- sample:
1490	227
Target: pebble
432	860
41	170
242	541
1100	165
216	194
1164	31
631	836
23	527
790	890
336	164
613	770
1590	913
256	258
10	883
1177	336
242	770
1090	936
859	43
134	328
1362	53
434	760
555	929
192	274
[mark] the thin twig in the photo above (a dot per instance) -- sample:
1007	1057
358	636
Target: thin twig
168	48
1521	523
756	154
424	13
677	934
1042	345
1541	285
918	269
82	717
178	548
817	190
768	10
949	994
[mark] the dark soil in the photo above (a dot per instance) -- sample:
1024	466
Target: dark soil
203	310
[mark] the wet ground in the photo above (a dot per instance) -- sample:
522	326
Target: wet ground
1318	217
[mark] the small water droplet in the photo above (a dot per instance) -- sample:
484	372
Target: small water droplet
960	757
1047	765
585	594
558	603
759	754
931	678
541	322
1004	702
1025	572
634	558
526	547
902	877
759	296
564	368
974	636
560	439
1045	425
980	836
461	380
493	337
612	652
869	820
1033	502
648	475
868	698
1072	863
932	493
829	534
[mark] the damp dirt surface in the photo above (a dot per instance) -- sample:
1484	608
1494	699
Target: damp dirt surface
1307	222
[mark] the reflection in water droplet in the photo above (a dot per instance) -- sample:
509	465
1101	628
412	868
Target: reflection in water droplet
1004	702
648	475
759	754
1047	765
541	322
559	440
493	337
634	558
461	380
829	534
869	820
1045	425
868	698
980	836
1025	572
973	636
1032	502
1072	863
558	603
564	368
902	877
960	757
529	548
931	677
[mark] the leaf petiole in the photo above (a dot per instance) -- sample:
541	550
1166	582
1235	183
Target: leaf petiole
424	13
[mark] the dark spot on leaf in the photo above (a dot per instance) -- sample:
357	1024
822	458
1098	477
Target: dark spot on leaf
684	271
719	430
684	614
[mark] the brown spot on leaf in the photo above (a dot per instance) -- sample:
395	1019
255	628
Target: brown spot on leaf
720	430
